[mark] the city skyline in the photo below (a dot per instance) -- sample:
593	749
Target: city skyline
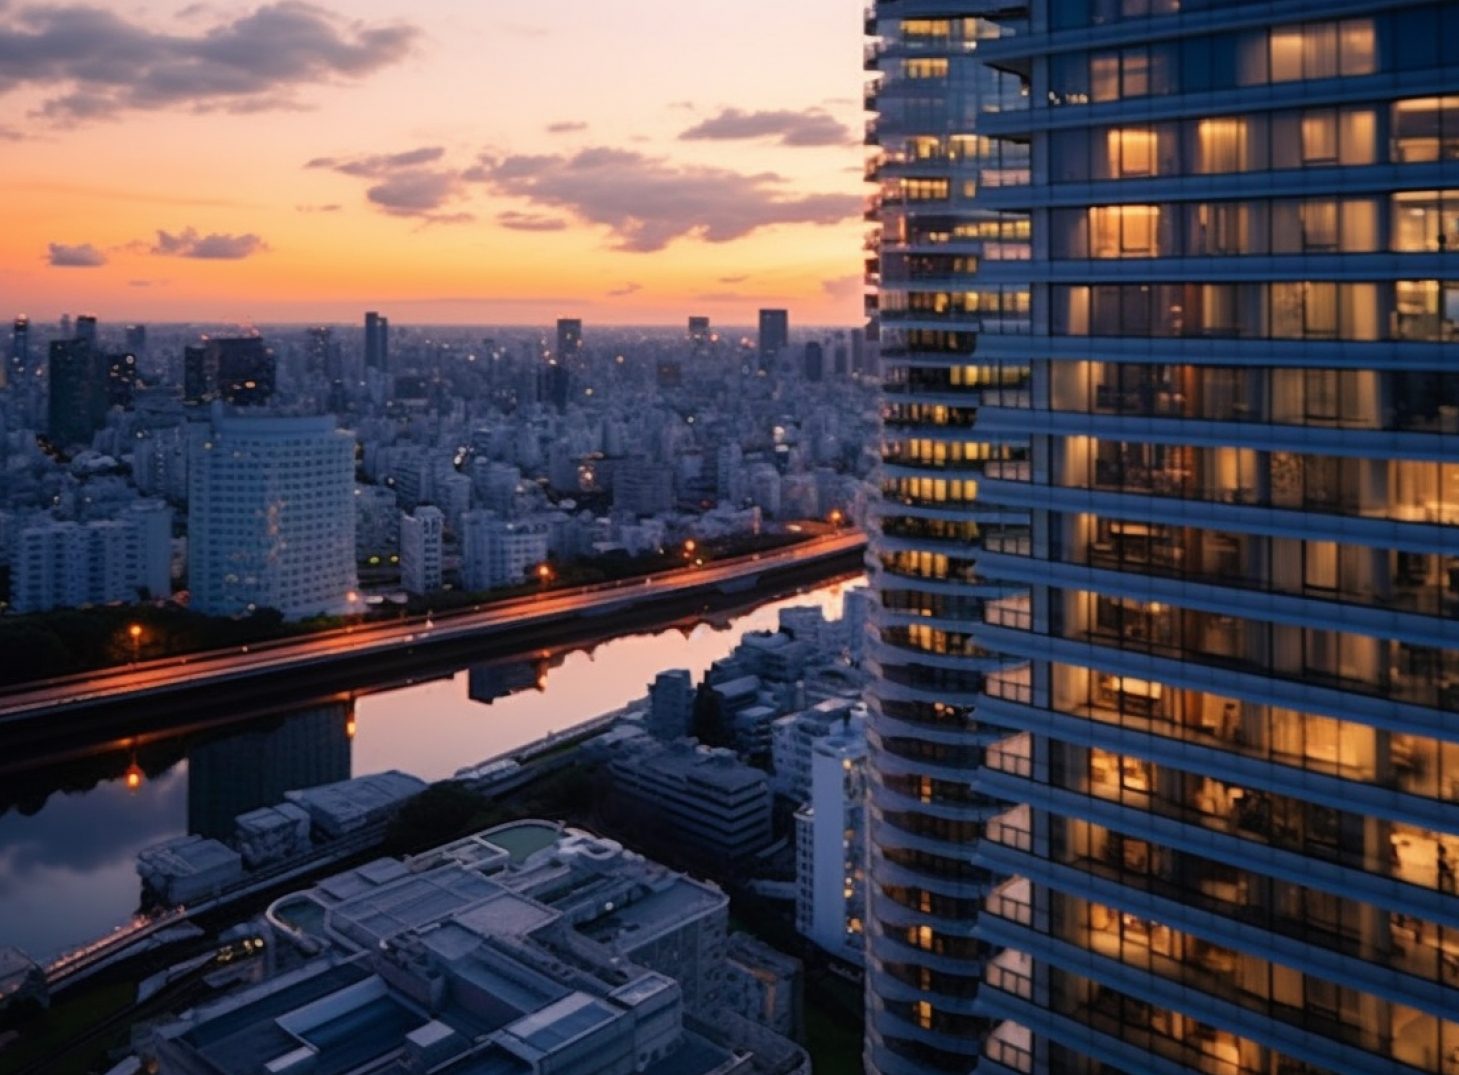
454	167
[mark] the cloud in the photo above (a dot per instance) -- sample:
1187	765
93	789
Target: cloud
331	207
567	126
733	279
627	289
213	247
811	127
379	164
648	202
411	183
844	287
518	221
77	256
97	64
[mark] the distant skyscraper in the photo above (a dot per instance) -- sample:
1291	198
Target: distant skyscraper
77	403
377	341
245	370
121	379
318	346
20	345
65	323
814	362
199	378
556	384
699	332
569	338
774	335
271	515
137	341
86	329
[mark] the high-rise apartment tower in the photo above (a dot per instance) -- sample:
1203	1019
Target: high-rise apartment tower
1164	747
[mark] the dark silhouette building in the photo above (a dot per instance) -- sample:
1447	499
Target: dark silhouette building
77	392
569	338
814	362
377	341
774	335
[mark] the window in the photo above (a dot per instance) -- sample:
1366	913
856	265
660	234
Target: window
1425	221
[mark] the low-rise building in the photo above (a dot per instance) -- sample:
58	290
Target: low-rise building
526	950
421	536
705	800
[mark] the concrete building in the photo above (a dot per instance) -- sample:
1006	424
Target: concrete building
271	516
793	740
70	564
830	845
1168	457
377	342
188	869
77	398
671	704
705	800
774	336
520	951
421	537
763	984
498	553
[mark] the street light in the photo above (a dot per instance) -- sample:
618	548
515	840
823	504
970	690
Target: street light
135	631
544	574
837	517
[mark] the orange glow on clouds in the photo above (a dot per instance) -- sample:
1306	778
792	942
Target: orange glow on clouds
506	81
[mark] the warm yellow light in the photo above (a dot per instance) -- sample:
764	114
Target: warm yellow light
349	728
135	630
134	777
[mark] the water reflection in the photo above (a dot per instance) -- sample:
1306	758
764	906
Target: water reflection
253	768
69	833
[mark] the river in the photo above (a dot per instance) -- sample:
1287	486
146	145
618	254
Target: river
69	835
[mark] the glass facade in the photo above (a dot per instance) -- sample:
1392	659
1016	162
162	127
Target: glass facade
1164	745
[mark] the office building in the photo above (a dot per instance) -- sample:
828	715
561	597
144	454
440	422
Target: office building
245	370
199	381
699	333
377	342
421	536
1167	327
122	379
20	346
705	801
86	330
569	339
774	335
77	401
271	515
813	362
671	704
319	360
137	341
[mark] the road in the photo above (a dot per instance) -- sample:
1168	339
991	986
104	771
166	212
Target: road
138	681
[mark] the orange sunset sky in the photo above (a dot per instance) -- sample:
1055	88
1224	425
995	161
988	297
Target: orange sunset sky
442	160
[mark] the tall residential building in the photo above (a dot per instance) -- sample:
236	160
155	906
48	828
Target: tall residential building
830	845
377	341
699	332
86	329
78	392
1164	727
271	515
70	564
774	335
421	536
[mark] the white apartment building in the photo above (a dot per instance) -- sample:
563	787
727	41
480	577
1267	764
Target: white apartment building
421	537
830	839
496	553
271	516
69	564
